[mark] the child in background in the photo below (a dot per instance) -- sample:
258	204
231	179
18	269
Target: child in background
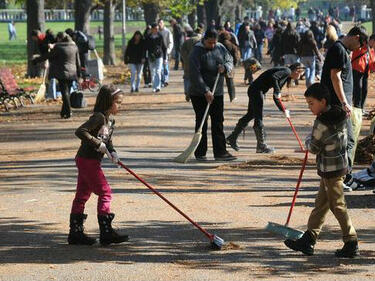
251	66
328	141
95	135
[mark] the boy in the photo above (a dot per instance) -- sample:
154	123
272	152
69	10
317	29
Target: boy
328	141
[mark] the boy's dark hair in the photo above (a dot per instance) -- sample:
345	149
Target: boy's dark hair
105	98
211	33
372	37
69	31
154	24
361	31
318	91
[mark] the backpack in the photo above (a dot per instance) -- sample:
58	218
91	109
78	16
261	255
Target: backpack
77	100
364	178
90	42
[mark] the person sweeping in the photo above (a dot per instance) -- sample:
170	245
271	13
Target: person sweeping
96	139
274	78
328	141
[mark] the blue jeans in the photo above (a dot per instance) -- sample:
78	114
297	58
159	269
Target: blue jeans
52	92
259	52
290	59
186	85
309	63
136	74
156	69
165	73
246	53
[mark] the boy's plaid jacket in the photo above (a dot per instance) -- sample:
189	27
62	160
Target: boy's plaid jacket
328	141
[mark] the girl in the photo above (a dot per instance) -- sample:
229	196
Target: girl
95	135
308	52
135	57
274	78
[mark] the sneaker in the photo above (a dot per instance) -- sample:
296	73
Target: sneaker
346	188
225	157
201	158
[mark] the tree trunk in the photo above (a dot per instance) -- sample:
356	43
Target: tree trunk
239	12
109	56
151	12
35	20
372	4
3	4
201	15
212	11
82	9
191	19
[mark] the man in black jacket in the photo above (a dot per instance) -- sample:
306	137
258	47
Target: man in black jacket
207	59
178	40
157	55
274	78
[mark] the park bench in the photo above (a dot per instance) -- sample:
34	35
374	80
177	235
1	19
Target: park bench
11	92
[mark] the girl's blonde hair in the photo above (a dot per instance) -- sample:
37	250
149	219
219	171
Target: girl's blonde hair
331	33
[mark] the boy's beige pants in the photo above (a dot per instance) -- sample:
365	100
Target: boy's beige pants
331	197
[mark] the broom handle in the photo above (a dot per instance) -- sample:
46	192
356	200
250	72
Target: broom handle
209	235
208	105
291	125
297	187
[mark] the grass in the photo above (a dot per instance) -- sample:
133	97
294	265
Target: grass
368	26
14	52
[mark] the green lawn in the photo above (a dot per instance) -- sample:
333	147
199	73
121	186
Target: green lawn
15	51
368	26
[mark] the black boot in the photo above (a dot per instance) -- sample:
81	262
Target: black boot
232	138
107	234
76	233
262	147
349	250
305	244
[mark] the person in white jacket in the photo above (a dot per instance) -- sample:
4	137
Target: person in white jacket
168	42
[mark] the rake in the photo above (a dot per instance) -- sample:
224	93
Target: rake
287	115
285	230
215	241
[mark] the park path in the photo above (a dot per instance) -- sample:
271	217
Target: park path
37	185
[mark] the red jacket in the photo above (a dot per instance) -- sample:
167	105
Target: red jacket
359	63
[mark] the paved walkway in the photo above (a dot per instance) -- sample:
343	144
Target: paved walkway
37	182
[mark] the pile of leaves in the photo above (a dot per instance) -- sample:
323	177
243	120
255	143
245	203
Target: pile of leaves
365	150
119	74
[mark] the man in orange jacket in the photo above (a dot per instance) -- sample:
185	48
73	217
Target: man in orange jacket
363	62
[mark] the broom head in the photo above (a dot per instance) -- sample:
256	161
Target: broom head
188	152
41	93
286	231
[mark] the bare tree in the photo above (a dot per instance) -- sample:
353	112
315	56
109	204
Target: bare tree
201	14
372	4
109	56
82	10
35	20
151	12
